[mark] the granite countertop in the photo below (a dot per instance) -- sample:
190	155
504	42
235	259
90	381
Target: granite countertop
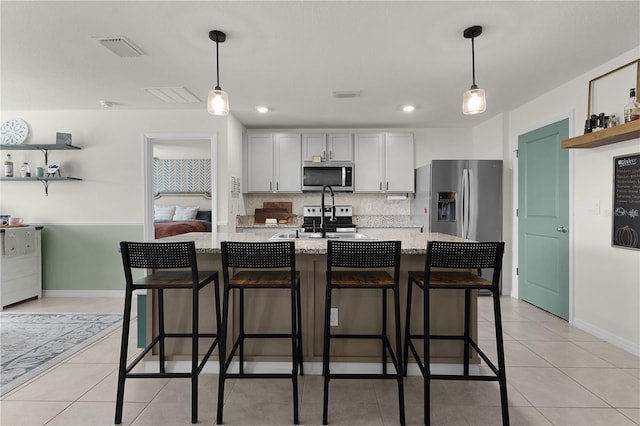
361	221
209	242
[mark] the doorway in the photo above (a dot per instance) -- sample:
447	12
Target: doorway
179	142
543	218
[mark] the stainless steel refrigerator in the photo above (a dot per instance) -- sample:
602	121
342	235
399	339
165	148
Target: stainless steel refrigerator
460	197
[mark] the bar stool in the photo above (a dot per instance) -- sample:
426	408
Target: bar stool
458	255
164	259
254	258
364	255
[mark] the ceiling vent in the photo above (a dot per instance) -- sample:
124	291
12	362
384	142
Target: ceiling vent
120	46
173	95
346	93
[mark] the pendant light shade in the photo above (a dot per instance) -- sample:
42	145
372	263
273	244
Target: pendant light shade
218	101
474	100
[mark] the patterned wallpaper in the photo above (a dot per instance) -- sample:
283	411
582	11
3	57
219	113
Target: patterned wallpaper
191	176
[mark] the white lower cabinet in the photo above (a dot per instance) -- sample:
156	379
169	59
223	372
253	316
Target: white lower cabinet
20	268
384	162
273	162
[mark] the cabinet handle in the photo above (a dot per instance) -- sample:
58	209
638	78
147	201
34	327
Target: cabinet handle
277	186
387	185
380	186
331	155
324	155
270	186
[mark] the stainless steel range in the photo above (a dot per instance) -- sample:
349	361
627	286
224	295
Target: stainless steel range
343	219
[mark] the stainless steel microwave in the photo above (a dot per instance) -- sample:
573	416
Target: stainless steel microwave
338	175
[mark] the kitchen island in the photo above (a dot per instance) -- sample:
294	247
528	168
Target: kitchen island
357	312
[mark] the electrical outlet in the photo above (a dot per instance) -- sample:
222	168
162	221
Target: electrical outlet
334	317
368	207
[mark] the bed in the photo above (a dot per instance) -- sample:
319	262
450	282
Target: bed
176	225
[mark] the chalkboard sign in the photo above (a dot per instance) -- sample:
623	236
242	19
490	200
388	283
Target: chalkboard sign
626	202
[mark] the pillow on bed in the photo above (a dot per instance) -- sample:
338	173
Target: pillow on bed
163	213
204	215
185	213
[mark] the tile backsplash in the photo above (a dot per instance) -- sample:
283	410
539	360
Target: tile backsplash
363	204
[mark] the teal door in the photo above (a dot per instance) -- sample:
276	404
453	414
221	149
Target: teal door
543	218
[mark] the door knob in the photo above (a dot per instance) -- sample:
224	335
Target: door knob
562	229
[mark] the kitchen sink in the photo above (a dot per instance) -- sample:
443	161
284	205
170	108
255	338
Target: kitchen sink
289	235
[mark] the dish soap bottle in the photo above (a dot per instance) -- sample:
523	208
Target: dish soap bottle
632	109
8	166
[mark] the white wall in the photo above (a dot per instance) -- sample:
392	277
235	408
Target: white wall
606	279
110	163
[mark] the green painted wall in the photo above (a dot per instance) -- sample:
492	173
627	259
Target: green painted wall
85	257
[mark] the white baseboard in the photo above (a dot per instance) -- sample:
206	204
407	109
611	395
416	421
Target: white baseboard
310	368
607	336
83	293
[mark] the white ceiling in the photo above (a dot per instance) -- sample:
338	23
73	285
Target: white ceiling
291	55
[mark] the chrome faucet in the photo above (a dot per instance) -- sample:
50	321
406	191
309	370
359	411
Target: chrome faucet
323	221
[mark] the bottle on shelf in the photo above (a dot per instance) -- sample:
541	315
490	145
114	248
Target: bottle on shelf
8	166
632	109
25	170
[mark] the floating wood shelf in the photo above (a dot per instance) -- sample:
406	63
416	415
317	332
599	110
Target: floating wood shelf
620	133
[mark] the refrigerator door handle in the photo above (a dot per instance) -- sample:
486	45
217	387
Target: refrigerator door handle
465	203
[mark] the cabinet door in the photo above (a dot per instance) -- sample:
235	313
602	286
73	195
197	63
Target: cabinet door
260	162
340	146
288	165
399	159
314	144
369	162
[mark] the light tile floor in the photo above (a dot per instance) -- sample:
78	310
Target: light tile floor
557	375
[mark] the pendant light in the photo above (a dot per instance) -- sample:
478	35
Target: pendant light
473	101
218	103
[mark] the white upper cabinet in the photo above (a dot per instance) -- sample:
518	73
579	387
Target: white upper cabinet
330	147
288	167
273	162
384	162
399	162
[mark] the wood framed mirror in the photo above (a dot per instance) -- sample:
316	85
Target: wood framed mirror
599	92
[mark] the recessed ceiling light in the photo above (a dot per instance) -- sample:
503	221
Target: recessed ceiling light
262	109
408	108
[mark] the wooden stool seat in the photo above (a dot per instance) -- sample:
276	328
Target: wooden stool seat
262	279
452	280
361	279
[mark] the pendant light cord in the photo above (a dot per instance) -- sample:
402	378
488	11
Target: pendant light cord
473	61
218	67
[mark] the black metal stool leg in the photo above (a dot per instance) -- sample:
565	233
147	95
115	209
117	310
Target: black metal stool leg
502	377
467	335
241	325
385	336
399	369
407	330
124	348
325	354
299	331
161	330
427	355
194	357
222	333
294	351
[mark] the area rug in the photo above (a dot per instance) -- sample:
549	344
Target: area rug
33	342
